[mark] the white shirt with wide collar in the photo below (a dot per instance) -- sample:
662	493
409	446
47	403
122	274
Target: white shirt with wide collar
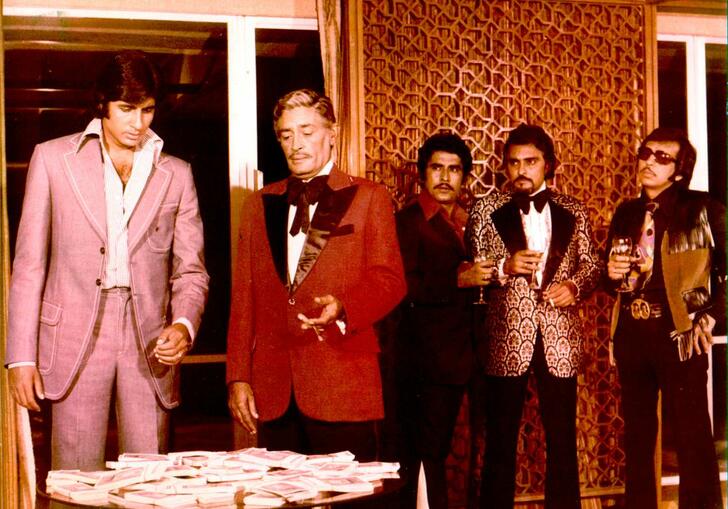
122	200
296	242
537	228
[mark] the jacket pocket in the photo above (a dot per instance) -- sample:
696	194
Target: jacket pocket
50	319
161	230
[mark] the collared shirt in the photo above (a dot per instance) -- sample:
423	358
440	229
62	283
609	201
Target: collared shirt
296	242
120	203
537	228
122	200
456	220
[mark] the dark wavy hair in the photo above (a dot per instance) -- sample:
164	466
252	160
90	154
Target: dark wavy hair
527	134
444	142
129	76
685	160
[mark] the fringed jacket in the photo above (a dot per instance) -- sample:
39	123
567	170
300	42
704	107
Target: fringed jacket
692	251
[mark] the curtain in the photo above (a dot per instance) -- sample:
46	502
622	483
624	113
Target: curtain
340	36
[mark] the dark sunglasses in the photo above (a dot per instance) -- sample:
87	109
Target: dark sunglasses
661	157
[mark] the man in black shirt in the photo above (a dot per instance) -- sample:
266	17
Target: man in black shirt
663	318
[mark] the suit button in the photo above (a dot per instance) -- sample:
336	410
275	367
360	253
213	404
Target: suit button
98	282
292	301
102	250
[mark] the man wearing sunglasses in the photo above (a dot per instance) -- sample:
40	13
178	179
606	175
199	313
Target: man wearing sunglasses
663	318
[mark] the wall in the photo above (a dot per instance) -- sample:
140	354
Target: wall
583	71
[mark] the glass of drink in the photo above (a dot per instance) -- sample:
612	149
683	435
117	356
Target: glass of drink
622	246
481	257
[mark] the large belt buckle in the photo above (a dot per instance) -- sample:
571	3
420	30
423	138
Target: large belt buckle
640	309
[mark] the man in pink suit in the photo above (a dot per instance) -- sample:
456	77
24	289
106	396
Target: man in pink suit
108	283
318	264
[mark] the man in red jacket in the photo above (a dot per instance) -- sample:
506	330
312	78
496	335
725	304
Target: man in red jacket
318	264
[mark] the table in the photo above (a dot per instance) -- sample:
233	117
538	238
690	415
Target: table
384	487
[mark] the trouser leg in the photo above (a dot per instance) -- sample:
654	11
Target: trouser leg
557	401
504	405
637	377
685	400
142	422
80	419
437	418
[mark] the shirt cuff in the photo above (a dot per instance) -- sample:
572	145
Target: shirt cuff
19	364
502	276
188	325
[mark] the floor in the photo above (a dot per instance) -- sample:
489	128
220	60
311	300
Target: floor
216	433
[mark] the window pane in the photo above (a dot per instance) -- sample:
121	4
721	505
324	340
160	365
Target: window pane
285	60
50	68
672	84
715	67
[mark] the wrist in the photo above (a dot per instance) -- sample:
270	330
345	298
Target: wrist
574	289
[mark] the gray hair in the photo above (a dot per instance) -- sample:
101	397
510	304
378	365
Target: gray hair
306	98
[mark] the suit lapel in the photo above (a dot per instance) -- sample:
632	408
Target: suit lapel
149	202
275	209
507	221
85	171
333	204
562	229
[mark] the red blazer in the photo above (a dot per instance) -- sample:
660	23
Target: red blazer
352	253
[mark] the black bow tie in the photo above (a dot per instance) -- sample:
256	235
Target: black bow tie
524	201
302	194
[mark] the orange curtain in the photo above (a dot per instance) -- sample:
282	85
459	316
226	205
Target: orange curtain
340	37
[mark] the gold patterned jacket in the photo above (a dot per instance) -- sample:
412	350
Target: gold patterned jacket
515	311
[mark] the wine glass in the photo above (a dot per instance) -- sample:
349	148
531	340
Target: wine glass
481	257
537	243
534	283
622	246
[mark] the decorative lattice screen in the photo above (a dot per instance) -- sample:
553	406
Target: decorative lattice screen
481	68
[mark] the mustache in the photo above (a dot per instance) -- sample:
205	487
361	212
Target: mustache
523	179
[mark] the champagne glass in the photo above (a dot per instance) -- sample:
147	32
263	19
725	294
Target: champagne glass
537	243
622	246
481	257
534	284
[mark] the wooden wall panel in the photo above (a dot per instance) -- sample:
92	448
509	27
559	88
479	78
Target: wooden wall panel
481	68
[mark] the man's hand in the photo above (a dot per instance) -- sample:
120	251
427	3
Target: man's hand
703	333
523	262
477	273
25	385
618	266
331	311
560	294
242	405
173	343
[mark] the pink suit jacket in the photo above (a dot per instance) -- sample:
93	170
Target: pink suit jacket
351	252
60	259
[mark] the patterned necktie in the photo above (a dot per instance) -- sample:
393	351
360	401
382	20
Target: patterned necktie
302	194
640	275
